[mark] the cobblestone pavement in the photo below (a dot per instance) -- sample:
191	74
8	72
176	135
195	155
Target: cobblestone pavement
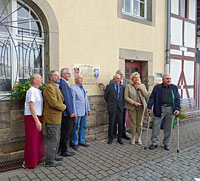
105	162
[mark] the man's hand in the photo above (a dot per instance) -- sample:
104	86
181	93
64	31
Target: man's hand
148	111
101	85
71	116
75	117
89	113
38	125
176	112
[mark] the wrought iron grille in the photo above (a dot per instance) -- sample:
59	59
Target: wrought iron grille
22	43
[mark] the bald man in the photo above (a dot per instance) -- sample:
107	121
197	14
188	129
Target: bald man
114	96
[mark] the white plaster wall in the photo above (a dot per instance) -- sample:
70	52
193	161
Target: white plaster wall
189	72
175	52
174	6
192	9
189	54
191	92
176	31
175	70
189	35
184	94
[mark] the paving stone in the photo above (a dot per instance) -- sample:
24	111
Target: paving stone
14	179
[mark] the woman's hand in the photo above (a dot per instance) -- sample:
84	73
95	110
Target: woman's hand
137	104
39	125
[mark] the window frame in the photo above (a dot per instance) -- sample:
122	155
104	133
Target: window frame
132	9
17	38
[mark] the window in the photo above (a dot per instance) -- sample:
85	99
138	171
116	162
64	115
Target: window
134	8
22	43
183	8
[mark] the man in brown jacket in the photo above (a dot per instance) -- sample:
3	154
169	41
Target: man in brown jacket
52	115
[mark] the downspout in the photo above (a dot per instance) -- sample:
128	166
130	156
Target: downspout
168	38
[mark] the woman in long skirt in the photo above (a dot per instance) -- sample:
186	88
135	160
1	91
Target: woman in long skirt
34	141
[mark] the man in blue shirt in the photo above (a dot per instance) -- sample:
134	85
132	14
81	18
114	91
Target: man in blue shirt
114	96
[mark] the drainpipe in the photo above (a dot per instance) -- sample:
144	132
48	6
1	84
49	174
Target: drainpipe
168	38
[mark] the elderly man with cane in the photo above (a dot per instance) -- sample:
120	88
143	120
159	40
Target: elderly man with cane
166	100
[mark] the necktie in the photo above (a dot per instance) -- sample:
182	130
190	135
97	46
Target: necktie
117	90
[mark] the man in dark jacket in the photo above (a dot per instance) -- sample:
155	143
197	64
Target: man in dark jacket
114	96
166	100
68	113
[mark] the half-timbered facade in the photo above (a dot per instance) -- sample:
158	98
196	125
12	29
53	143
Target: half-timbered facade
182	46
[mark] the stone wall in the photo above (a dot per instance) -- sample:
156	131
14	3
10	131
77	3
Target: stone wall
11	130
12	126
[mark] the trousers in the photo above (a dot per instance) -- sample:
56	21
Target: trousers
53	139
168	117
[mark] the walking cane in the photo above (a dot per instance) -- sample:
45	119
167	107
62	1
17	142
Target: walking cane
178	134
147	135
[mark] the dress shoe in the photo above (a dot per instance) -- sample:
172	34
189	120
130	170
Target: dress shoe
75	147
53	164
67	153
85	145
59	158
110	142
126	137
120	142
167	147
152	147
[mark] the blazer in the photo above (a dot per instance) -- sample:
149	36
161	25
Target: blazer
53	104
80	101
156	98
131	96
112	100
68	100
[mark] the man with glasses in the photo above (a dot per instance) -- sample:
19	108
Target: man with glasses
68	113
52	115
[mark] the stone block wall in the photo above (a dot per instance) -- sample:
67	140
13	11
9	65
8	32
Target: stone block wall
12	126
11	130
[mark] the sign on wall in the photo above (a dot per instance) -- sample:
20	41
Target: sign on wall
90	73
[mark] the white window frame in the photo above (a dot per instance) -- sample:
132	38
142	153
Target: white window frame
17	38
132	9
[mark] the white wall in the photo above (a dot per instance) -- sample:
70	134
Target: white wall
176	31
189	35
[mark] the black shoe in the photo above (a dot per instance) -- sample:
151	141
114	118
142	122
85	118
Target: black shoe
67	153
85	145
120	142
110	142
152	147
167	147
75	147
59	158
54	164
126	137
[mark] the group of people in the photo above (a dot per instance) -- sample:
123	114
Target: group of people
133	96
58	107
61	105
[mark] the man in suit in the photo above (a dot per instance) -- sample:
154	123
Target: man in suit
52	115
81	109
68	113
114	96
124	83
